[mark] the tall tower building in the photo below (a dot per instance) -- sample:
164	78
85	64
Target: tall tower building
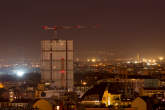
57	63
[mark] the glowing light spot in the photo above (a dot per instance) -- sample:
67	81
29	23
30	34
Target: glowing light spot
20	73
128	62
93	60
161	58
136	62
62	71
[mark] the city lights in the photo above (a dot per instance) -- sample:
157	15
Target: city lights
88	55
136	62
144	60
147	61
88	60
20	73
154	61
161	58
84	83
93	60
58	107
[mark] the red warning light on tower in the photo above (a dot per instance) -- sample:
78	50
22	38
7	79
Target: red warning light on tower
78	26
62	66
97	25
62	71
55	27
45	27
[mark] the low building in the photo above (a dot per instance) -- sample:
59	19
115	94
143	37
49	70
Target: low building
16	104
102	95
110	99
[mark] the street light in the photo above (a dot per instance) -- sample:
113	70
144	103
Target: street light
84	83
84	86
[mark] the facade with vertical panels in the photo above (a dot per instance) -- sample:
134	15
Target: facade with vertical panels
57	63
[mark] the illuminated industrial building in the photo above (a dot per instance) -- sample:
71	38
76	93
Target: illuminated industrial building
57	63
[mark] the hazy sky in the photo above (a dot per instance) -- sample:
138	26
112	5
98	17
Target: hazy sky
129	26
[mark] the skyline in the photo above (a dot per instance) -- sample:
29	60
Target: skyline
130	27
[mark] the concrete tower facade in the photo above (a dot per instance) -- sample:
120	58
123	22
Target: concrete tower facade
57	63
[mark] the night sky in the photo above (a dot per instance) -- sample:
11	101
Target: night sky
125	26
